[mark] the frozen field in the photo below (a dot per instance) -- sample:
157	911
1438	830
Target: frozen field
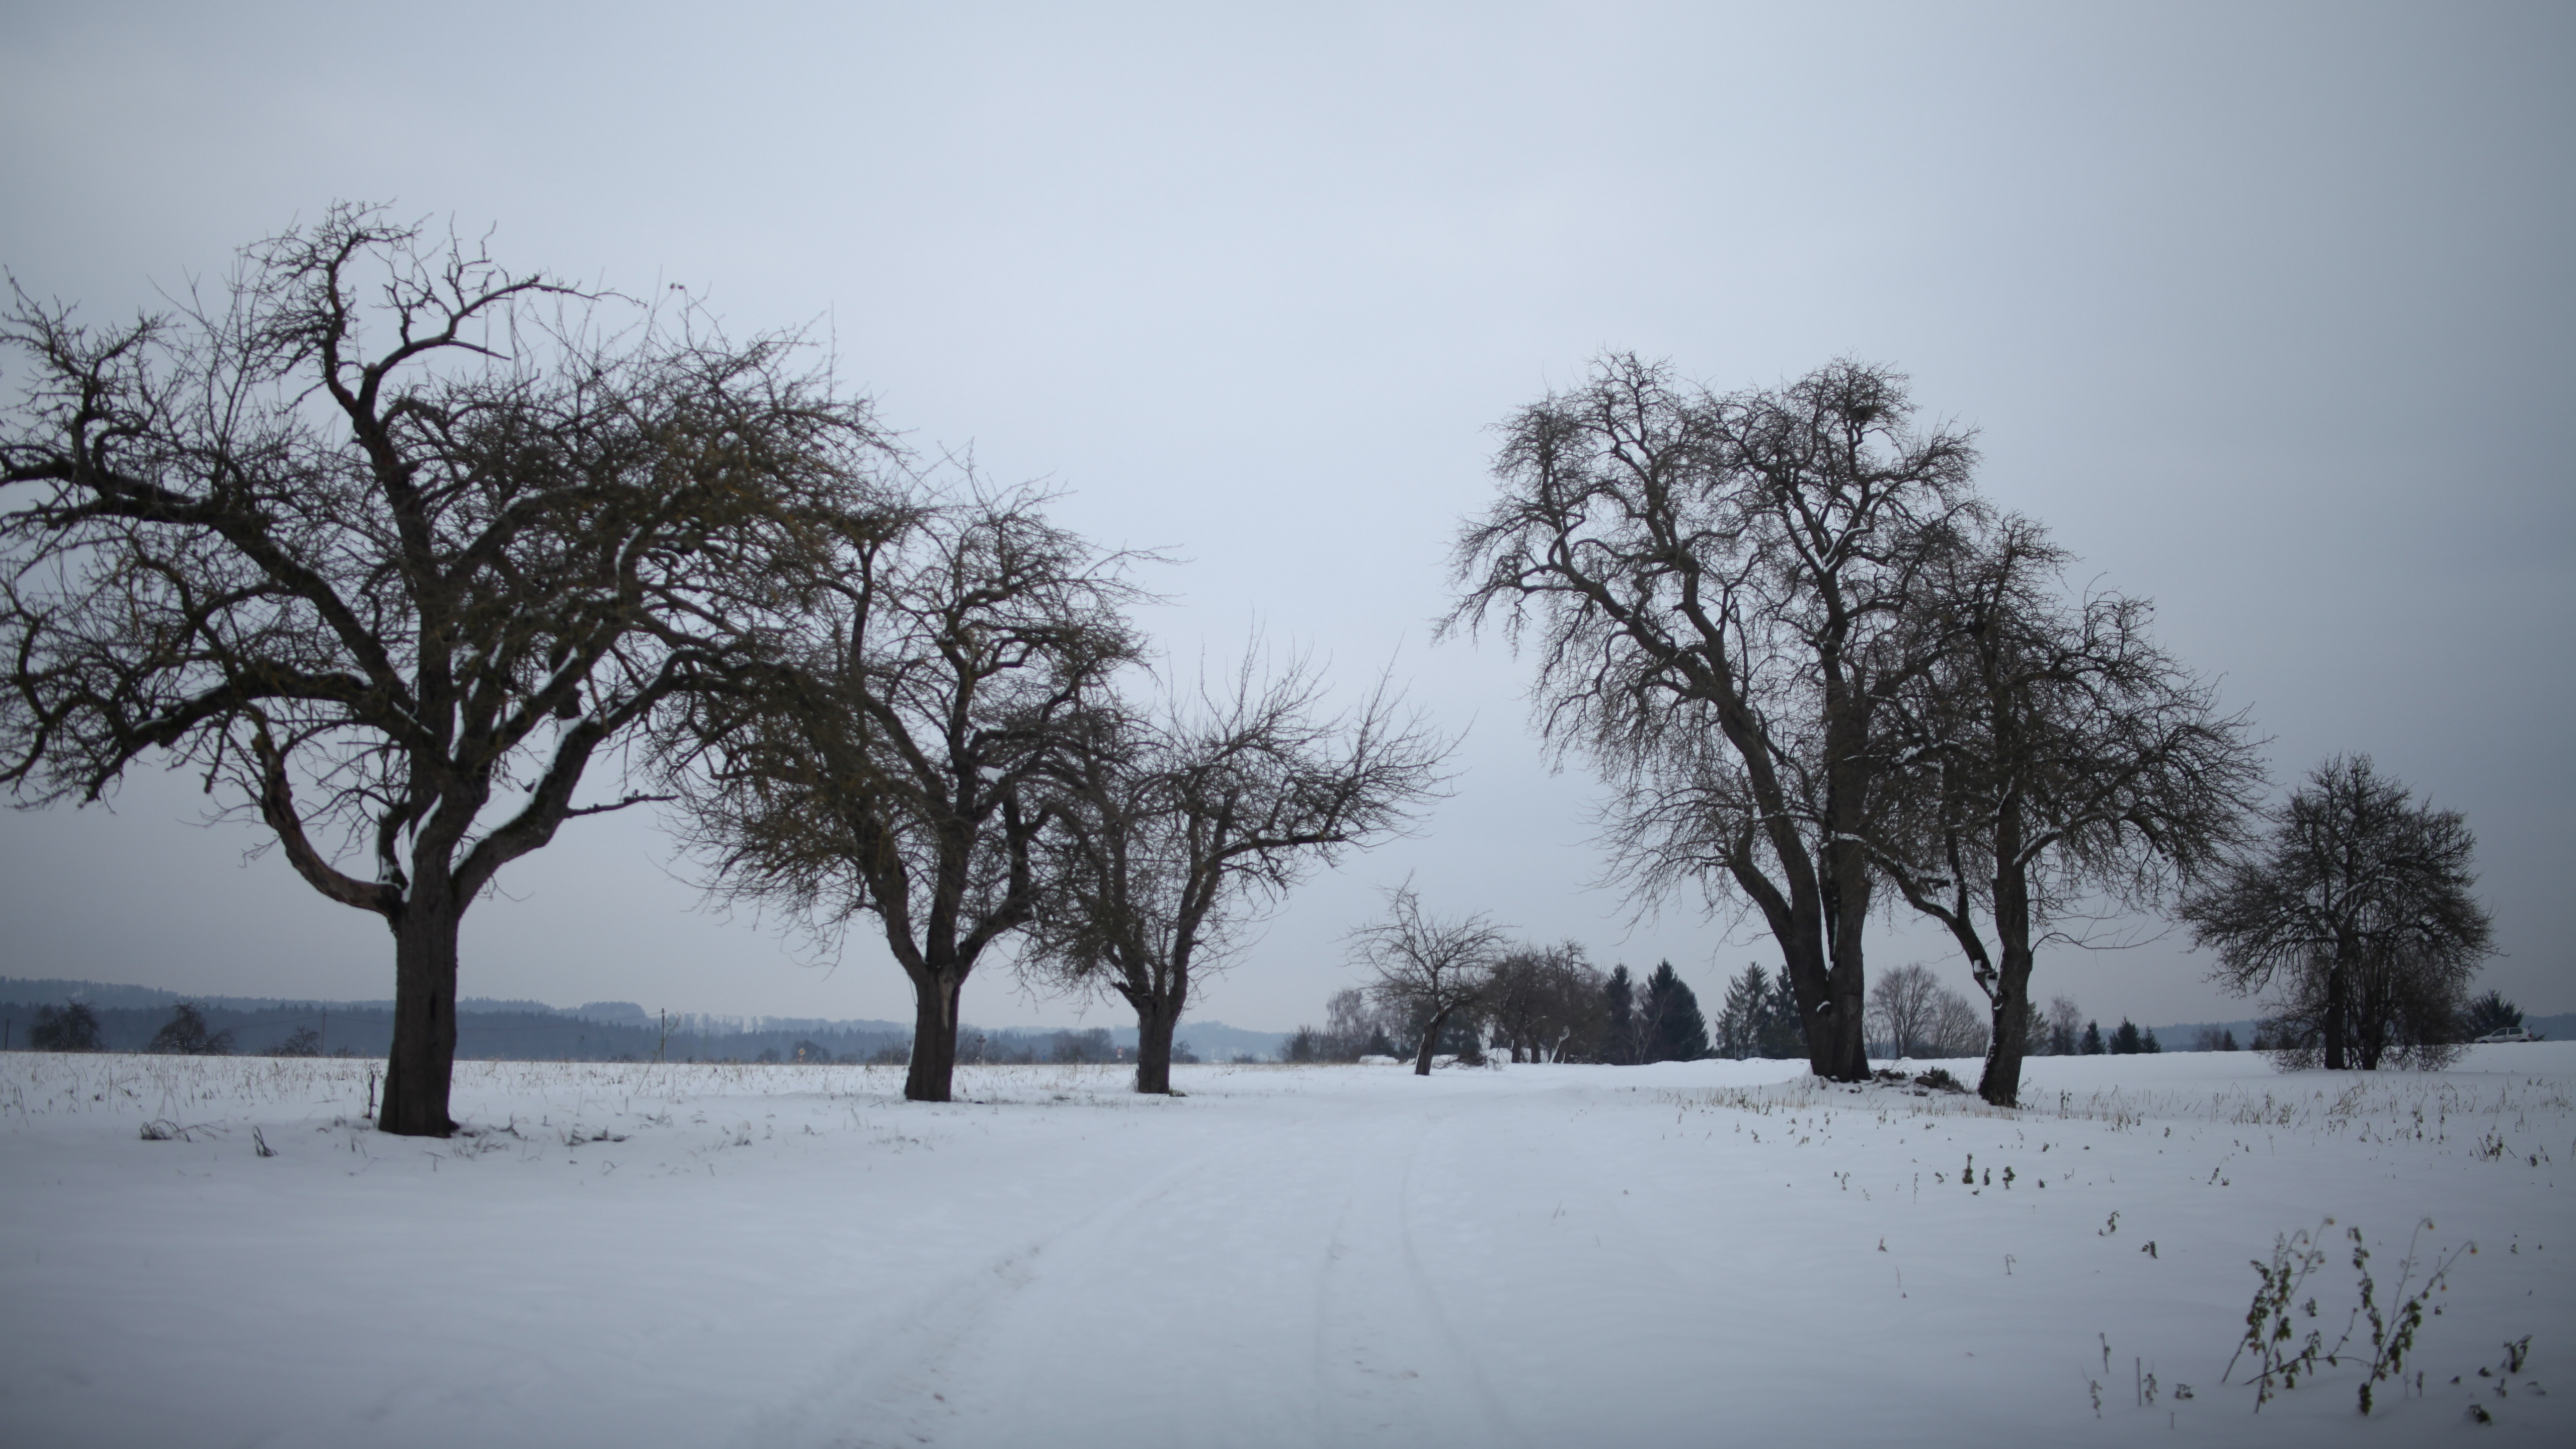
1678	1255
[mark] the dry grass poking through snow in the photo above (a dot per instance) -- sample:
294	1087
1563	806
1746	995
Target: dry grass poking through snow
2482	1117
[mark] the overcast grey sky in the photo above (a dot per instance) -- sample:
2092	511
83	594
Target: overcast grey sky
2265	309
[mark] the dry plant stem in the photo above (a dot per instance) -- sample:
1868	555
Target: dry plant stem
2271	1335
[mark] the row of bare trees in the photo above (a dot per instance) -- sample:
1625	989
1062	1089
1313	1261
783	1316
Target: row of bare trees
416	559
401	550
1810	662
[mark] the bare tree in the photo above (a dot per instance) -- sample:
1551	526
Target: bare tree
1902	1006
1172	834
895	757
1430	968
1356	1025
1705	581
2358	906
391	544
1958	1028
2045	754
186	1034
1546	1003
2065	1026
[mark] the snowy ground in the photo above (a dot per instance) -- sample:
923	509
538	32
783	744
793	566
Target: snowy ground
1685	1254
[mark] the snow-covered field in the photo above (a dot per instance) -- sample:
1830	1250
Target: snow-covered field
1684	1254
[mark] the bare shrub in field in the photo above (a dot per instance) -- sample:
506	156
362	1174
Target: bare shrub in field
2282	1306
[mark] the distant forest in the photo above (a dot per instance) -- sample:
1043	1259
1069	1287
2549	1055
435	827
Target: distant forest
129	1017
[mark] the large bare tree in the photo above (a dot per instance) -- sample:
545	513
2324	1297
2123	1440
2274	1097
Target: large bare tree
2045	754
1705	582
1174	830
897	758
392	545
2360	903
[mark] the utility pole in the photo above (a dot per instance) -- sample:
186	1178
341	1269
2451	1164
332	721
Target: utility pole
662	1053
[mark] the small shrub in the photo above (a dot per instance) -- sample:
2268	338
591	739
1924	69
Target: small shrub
2272	1323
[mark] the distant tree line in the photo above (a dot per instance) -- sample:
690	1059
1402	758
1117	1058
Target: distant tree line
1458	987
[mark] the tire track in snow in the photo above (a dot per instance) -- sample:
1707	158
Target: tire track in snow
931	1383
1103	1321
896	1390
1401	1372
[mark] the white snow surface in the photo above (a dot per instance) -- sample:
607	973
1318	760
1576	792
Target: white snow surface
1686	1254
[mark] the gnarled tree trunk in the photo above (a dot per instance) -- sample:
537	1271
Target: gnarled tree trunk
2001	1084
1430	1043
2338	1010
1156	1019
424	1046
934	1035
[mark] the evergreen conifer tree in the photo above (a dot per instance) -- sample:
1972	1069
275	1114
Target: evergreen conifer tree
2487	1013
1619	1041
1741	1021
2125	1042
2092	1039
1675	1029
1784	1032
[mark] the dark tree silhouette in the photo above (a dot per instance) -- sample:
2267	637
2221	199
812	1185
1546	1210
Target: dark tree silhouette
1706	582
1427	968
2490	1012
894	759
185	1034
1903	1006
2358	910
391	544
2046	753
2064	1026
1546	1004
1619	1018
304	1041
71	1028
1673	1028
1759	1018
1172	832
1739	1016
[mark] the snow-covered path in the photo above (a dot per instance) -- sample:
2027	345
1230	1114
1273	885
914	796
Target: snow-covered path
1526	1256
